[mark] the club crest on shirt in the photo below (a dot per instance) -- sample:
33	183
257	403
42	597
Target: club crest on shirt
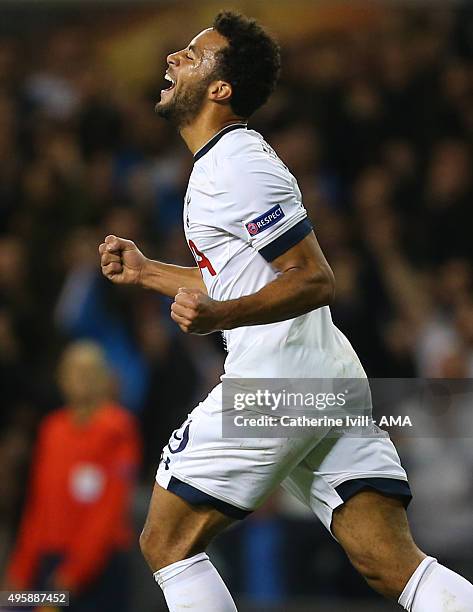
264	221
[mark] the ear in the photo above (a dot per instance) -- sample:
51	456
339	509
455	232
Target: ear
220	91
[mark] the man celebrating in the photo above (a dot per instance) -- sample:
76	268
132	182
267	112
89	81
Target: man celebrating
262	279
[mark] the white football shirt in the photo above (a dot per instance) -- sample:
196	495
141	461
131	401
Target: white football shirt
242	209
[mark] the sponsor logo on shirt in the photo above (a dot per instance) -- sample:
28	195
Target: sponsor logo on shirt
267	219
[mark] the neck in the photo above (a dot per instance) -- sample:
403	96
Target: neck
201	130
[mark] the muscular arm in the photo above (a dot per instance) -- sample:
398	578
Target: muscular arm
168	278
305	282
123	263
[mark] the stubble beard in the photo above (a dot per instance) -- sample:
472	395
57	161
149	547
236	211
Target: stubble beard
184	106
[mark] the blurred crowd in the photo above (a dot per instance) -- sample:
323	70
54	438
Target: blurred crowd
376	125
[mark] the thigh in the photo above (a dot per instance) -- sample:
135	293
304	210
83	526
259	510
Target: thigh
175	529
371	520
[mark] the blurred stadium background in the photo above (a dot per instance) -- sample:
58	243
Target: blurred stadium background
374	115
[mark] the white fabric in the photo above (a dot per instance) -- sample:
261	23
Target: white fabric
243	472
239	180
236	182
194	584
435	588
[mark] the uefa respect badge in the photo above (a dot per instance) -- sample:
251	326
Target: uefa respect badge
265	221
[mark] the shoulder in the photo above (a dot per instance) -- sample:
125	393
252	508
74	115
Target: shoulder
239	146
234	146
242	162
53	425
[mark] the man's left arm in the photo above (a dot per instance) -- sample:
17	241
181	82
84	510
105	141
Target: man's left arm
305	282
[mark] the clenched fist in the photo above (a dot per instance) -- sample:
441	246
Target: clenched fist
196	313
121	260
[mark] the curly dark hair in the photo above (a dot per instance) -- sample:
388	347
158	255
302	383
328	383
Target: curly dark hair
250	63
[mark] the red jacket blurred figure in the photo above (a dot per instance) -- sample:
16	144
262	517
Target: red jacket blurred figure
83	474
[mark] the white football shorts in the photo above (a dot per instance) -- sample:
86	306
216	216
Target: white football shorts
236	475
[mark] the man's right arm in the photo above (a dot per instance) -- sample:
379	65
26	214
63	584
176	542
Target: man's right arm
123	263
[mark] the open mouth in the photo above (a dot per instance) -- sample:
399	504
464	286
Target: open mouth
172	81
